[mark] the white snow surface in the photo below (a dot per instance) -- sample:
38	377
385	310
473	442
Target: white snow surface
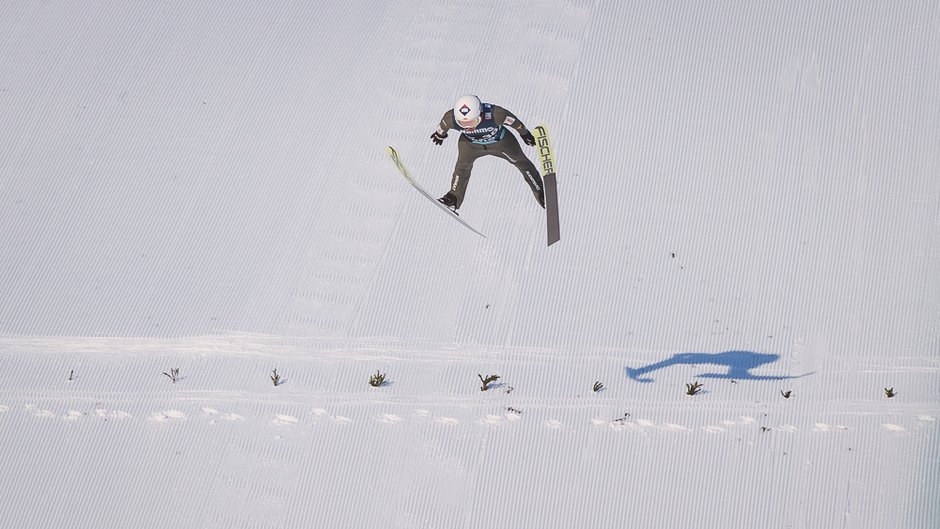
749	195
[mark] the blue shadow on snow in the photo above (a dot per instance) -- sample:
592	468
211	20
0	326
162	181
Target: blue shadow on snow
737	363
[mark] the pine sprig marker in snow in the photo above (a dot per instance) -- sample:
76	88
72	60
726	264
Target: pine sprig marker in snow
173	375
487	381
377	380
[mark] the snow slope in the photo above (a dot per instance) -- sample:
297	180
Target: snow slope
749	199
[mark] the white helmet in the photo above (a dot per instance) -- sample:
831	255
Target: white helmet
467	108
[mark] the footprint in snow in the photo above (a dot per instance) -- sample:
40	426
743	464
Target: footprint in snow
115	414
491	420
212	412
450	421
73	415
4	408
619	426
554	424
39	412
168	415
388	418
823	427
338	419
893	427
285	419
675	427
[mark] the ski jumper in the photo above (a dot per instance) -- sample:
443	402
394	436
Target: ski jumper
489	138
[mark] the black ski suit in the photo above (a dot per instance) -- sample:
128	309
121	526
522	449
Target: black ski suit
489	138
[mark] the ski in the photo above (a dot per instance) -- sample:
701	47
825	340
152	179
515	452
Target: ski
404	171
547	161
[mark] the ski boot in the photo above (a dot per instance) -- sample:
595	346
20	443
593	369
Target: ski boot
540	197
450	202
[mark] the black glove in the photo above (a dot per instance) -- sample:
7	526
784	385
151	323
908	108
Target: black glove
528	139
438	139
